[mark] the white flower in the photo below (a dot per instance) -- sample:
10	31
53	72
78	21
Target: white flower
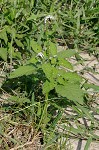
40	55
49	17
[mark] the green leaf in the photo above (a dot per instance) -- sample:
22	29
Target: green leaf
52	138
60	80
63	62
72	77
19	12
22	70
53	49
19	36
35	46
39	109
71	92
10	50
25	27
78	57
88	143
53	60
48	86
74	130
93	86
32	103
19	43
32	17
11	31
85	111
79	111
50	71
66	53
32	60
19	100
97	110
3	35
3	53
57	118
17	55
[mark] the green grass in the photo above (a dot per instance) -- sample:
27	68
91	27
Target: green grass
38	91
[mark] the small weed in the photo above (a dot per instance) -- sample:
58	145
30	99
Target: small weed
45	97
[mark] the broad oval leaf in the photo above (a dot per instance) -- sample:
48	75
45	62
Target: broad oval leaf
63	62
50	71
22	70
66	53
72	77
71	91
